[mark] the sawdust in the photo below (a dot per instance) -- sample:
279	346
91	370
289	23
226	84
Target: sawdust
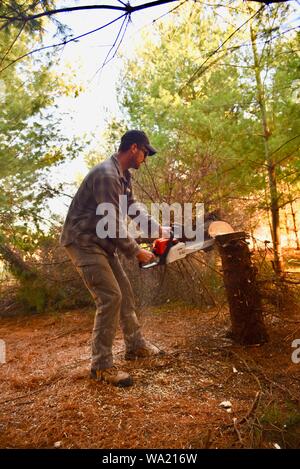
47	399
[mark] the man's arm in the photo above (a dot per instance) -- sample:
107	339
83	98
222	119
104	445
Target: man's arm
154	229
106	189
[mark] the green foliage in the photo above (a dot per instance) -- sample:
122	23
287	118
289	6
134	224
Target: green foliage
107	144
284	418
31	141
281	423
201	109
31	144
17	10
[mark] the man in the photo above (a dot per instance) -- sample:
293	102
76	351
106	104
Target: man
96	259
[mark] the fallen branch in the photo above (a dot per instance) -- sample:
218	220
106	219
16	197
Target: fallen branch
42	388
252	408
237	431
32	392
280	386
248	369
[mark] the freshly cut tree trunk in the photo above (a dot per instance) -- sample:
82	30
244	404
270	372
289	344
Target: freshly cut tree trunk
242	290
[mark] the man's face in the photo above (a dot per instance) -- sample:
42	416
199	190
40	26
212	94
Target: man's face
138	155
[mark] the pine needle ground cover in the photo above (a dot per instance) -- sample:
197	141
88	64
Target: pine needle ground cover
48	401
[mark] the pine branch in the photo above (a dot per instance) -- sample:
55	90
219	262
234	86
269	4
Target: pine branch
63	43
126	8
200	68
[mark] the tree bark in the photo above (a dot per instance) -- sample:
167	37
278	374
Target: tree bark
287	229
242	290
15	263
33	291
295	228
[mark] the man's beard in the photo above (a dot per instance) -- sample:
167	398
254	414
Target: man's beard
133	163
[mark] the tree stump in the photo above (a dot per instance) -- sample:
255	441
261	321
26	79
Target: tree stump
242	290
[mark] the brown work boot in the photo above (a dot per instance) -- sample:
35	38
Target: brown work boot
112	376
147	351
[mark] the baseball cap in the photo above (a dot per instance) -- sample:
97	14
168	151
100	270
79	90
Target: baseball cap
140	138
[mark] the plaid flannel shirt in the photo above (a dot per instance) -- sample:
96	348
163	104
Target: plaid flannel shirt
104	183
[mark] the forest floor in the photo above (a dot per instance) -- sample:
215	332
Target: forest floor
48	401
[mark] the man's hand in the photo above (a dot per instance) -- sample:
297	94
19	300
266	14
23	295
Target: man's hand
144	256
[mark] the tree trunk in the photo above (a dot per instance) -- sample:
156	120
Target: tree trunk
242	290
287	229
16	265
295	228
32	292
271	165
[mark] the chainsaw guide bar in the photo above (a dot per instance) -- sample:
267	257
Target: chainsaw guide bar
167	250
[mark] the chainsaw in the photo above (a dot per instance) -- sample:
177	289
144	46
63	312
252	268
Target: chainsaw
167	250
